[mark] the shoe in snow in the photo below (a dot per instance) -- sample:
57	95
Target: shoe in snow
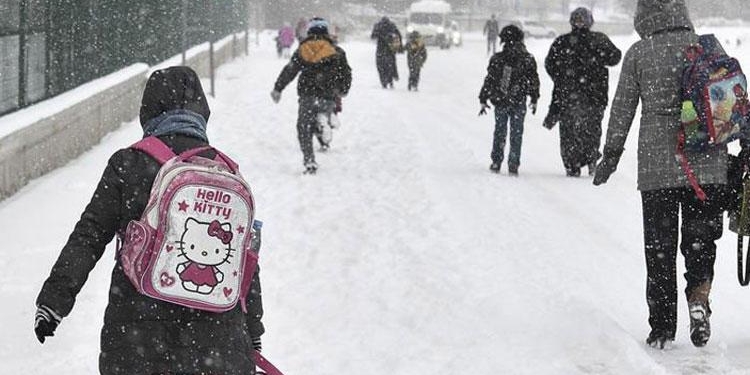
573	172
659	339
334	121
700	327
311	168
513	170
495	167
592	168
324	147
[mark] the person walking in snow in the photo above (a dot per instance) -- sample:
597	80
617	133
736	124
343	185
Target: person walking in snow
416	55
577	63
300	30
491	29
284	40
388	44
651	73
511	77
324	75
143	335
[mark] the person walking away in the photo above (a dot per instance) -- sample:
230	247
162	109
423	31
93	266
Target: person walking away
511	77
300	30
651	74
416	55
491	29
284	40
144	335
577	62
388	44
324	75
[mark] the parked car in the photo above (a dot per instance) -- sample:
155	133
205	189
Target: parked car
535	29
454	34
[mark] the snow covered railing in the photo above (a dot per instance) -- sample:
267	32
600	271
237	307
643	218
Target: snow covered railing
39	138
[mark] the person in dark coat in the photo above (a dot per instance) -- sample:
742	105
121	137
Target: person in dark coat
142	335
577	63
511	77
324	76
651	74
388	44
416	55
491	29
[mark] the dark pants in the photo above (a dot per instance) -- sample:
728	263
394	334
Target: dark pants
701	226
504	115
580	134
386	62
414	71
307	123
491	44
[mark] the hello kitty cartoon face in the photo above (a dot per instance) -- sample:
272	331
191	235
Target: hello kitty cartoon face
208	244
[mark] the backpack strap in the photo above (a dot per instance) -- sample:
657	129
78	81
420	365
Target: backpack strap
155	148
682	158
264	365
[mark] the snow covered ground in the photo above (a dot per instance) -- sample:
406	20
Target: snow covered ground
404	255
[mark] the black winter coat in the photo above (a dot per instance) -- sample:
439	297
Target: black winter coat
322	66
577	63
511	76
142	335
387	35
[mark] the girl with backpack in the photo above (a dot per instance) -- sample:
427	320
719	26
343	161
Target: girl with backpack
652	75
143	335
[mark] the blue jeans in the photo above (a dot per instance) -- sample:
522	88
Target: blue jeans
504	115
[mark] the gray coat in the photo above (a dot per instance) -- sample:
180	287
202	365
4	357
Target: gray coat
651	72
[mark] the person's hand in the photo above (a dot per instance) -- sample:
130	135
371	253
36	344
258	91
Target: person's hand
483	110
46	321
533	108
606	167
276	96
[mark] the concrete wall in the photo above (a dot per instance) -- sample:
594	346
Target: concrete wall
53	139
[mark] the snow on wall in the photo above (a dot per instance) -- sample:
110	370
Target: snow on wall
45	136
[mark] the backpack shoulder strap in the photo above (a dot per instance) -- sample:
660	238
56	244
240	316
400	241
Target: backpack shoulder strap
155	148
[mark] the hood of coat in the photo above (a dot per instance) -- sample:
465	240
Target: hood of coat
315	49
170	89
654	16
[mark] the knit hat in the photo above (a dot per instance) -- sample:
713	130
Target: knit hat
176	87
317	26
511	34
581	18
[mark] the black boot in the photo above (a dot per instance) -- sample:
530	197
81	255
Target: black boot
495	167
700	327
659	339
513	170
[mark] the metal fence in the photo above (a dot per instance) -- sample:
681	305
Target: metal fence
51	46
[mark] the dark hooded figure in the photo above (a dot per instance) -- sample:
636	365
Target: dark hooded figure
577	63
651	74
511	78
389	43
416	55
324	77
143	335
491	29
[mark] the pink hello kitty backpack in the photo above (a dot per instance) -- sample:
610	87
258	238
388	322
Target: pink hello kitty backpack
191	246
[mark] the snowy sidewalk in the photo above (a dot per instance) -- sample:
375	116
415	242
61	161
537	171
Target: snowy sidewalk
404	255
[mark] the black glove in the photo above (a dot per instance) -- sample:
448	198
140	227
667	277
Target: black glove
533	108
607	166
256	343
484	109
46	321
